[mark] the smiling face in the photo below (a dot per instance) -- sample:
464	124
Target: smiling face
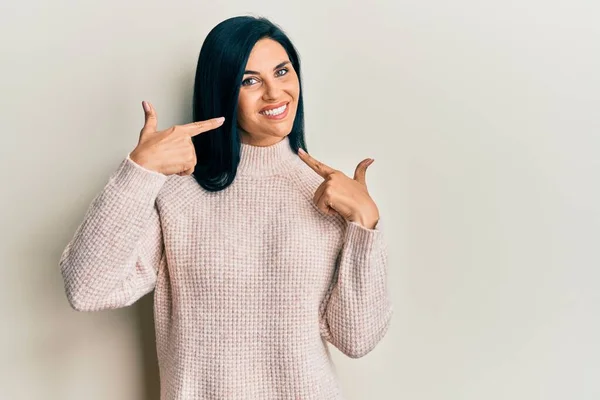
268	96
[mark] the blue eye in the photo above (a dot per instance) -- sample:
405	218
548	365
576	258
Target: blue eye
283	69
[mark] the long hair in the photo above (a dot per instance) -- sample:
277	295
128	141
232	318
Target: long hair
221	65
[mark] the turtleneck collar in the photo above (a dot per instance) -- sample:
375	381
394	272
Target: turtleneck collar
267	160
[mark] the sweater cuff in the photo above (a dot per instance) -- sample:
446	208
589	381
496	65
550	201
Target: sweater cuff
139	166
136	181
363	241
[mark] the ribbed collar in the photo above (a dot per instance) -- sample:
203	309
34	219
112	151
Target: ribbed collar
267	160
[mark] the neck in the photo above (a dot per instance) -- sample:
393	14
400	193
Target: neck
264	160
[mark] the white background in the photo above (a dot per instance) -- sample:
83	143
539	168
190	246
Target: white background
482	117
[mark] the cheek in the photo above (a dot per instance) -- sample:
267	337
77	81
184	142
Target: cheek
294	89
245	108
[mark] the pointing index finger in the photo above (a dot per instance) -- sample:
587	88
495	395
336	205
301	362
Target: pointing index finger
196	128
316	165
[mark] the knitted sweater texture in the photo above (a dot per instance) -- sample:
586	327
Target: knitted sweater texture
250	283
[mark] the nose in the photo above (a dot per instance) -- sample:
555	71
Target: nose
272	90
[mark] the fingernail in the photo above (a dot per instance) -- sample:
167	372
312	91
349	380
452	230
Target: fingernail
301	151
220	119
145	105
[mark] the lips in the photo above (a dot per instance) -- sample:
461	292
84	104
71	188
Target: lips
267	108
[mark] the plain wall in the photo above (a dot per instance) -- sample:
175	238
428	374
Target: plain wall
482	117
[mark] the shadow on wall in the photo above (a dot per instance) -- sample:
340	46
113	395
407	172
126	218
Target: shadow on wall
145	314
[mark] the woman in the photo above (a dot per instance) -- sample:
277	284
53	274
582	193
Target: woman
257	253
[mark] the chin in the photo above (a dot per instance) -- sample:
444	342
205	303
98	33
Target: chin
282	131
280	128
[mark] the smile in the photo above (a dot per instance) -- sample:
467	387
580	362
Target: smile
276	113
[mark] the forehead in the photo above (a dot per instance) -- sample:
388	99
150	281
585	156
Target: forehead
265	55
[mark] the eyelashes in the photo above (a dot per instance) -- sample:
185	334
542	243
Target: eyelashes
246	82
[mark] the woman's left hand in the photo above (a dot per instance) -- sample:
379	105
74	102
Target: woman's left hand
340	194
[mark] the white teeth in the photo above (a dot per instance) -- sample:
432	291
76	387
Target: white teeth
275	111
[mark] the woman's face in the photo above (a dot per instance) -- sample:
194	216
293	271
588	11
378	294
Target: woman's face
268	96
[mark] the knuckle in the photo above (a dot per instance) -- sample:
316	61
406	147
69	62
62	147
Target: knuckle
190	158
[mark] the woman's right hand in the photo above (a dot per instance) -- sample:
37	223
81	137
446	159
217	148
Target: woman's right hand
170	151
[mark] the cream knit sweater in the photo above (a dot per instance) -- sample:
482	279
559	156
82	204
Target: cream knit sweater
250	283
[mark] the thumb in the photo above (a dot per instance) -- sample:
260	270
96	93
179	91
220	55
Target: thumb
150	124
361	170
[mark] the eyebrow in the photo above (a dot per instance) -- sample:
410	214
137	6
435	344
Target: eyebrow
276	67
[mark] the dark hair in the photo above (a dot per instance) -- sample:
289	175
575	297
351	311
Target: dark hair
219	74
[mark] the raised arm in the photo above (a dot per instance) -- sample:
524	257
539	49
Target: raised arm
357	310
116	252
356	313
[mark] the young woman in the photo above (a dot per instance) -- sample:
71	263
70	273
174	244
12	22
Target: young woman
258	254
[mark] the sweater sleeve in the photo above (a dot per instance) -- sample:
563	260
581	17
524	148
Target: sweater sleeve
356	313
116	252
